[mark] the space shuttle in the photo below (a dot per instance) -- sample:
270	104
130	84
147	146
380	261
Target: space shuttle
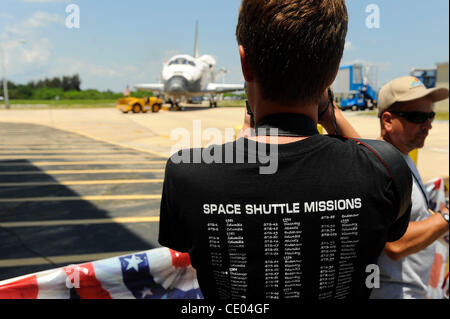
185	76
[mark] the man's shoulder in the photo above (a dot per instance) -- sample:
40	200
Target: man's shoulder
388	154
378	147
361	151
376	155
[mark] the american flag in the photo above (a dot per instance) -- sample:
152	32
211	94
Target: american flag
155	274
439	283
127	91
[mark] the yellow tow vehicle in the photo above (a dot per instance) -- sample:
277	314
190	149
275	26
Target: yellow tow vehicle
138	105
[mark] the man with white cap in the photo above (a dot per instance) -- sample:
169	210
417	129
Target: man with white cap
406	114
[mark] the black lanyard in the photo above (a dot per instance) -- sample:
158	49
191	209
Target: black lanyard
420	184
288	125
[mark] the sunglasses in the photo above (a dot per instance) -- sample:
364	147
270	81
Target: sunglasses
416	117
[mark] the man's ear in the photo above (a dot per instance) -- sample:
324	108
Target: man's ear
245	64
386	119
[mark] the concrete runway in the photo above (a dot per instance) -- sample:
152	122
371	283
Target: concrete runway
151	132
84	184
67	199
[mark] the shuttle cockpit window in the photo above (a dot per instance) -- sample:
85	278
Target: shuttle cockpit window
181	62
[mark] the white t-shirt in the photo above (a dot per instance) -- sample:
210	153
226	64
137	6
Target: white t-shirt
408	278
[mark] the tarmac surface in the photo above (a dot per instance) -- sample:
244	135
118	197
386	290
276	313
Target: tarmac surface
85	184
66	199
151	132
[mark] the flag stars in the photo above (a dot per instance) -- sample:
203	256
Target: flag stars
133	262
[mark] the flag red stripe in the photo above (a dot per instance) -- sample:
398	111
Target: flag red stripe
435	274
437	184
26	288
86	284
180	260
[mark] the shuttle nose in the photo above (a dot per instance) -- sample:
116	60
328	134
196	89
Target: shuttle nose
177	84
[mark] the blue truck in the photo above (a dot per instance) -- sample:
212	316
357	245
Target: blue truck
352	90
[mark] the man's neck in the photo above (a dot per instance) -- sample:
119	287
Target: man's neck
386	138
264	108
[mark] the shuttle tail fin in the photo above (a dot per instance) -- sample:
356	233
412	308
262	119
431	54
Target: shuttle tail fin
196	52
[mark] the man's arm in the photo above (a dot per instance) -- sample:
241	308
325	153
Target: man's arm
173	232
344	127
245	126
418	236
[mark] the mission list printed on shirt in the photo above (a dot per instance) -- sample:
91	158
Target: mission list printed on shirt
284	245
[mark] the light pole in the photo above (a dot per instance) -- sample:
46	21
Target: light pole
5	81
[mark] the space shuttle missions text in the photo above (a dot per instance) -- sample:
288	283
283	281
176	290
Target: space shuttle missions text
283	208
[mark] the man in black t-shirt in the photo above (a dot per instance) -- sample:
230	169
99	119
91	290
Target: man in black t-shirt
297	216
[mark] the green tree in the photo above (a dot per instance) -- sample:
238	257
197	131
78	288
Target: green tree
75	83
47	93
66	83
55	83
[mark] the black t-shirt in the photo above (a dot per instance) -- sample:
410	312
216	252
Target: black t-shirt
311	230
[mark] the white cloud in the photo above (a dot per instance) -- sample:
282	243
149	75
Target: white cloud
71	66
42	19
96	76
38	20
25	47
20	58
39	52
28	50
6	16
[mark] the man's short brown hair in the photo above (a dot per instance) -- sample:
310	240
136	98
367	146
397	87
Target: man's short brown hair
294	46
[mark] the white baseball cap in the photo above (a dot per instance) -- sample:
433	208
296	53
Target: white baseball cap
406	89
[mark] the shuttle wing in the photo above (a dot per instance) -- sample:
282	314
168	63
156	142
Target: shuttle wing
223	88
150	87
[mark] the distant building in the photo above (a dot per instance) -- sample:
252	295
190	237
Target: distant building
442	81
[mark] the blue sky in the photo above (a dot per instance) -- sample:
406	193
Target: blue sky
125	42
